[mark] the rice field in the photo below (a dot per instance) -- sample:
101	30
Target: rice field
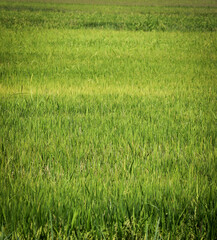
108	119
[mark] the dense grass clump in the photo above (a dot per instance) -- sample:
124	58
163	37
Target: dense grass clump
107	131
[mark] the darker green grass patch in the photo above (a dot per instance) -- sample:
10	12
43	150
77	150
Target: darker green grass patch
109	17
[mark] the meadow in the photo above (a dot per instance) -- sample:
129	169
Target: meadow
108	119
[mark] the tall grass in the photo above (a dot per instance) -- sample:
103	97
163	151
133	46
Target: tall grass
106	134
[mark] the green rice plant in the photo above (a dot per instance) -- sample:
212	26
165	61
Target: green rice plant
64	16
107	134
172	3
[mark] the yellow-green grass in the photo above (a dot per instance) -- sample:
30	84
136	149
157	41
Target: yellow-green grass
107	134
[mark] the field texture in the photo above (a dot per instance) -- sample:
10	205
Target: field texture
108	120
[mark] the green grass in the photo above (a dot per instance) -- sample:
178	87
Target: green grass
108	131
192	3
65	16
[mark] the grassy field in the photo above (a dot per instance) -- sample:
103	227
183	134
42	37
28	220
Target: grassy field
180	3
108	120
